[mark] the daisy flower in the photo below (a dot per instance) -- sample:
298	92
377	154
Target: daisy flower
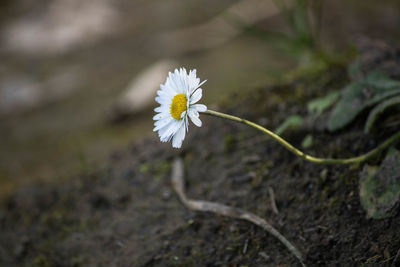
177	99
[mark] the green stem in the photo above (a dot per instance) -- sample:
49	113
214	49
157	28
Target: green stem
301	154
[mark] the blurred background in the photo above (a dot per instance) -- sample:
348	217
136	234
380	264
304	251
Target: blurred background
78	78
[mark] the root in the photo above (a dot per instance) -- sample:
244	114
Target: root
221	209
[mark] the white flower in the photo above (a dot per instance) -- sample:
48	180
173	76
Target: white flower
177	99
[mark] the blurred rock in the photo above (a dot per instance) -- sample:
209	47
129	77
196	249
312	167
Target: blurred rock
18	93
21	92
141	91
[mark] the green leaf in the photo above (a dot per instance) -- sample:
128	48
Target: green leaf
292	122
381	82
361	95
319	105
380	187
378	110
354	70
307	141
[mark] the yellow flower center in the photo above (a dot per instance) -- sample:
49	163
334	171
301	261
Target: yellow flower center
178	106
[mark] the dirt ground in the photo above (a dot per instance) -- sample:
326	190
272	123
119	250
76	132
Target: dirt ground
126	213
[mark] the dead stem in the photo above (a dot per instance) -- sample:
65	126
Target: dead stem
272	199
221	209
396	260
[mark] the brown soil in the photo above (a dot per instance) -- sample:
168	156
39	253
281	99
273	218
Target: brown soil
126	213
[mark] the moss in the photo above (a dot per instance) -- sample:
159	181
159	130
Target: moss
42	261
324	193
144	168
60	219
334	203
162	169
229	143
261	172
78	261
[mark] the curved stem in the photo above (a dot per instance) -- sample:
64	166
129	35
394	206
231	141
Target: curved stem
178	184
301	154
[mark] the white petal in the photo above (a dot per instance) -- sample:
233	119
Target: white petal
158	109
196	96
197	85
162	108
193	81
164	101
172	83
159	100
168	132
179	137
192	74
166	92
161	135
162	131
186	83
195	119
160	116
201	83
193	111
182	72
200	107
181	83
162	123
184	114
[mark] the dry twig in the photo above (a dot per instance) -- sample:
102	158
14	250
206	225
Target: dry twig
272	199
221	209
396	260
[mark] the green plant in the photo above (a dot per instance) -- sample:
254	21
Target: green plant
362	95
380	187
